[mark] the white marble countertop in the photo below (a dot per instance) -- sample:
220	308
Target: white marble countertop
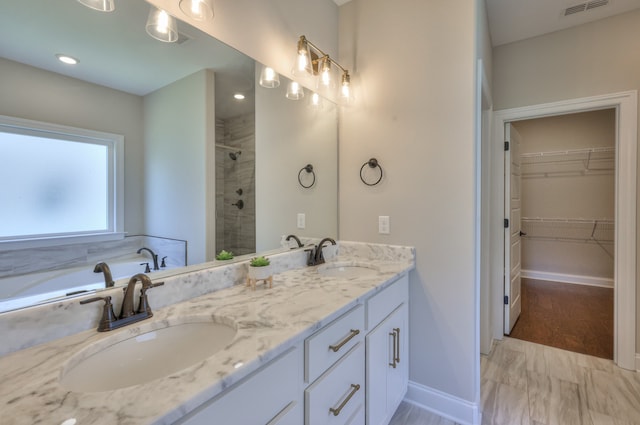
268	322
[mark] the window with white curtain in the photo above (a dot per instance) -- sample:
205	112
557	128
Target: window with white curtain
59	182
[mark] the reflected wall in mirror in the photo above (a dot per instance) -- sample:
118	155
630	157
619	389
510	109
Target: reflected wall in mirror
174	105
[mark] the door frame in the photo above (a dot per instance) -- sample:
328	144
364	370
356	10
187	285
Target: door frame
625	104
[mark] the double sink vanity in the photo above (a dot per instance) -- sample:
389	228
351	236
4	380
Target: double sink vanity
326	345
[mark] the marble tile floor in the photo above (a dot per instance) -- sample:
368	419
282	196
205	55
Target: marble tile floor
523	383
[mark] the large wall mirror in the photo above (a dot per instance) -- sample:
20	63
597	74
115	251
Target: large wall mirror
200	165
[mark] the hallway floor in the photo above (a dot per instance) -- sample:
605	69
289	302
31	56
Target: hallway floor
573	317
530	384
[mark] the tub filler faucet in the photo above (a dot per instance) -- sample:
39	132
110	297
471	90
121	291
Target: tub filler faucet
154	257
106	271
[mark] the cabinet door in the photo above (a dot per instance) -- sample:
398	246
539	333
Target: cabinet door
387	367
272	395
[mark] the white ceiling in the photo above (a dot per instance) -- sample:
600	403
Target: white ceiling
514	20
115	51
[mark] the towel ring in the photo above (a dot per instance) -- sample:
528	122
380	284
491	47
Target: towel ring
309	169
372	163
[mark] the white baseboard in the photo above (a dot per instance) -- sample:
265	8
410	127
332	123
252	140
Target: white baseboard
568	278
443	404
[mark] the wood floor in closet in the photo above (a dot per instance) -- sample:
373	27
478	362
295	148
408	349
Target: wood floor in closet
577	318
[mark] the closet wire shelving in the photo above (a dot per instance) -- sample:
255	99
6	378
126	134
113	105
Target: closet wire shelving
598	231
576	162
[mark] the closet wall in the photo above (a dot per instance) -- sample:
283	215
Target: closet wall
568	197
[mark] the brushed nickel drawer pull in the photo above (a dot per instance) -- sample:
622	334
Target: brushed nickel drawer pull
353	333
395	347
397	350
336	411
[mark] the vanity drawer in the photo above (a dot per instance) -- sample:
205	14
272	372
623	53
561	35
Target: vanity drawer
337	397
271	396
326	346
383	303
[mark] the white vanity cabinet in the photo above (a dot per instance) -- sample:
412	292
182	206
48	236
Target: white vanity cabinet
387	347
334	368
270	396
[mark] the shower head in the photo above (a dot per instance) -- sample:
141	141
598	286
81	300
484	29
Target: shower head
234	155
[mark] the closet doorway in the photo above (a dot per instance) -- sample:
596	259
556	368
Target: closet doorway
626	106
566	223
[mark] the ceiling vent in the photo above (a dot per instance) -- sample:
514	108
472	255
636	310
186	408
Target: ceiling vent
583	7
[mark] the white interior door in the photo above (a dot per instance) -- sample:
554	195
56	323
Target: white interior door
512	265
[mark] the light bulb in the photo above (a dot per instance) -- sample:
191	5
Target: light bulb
100	5
345	87
162	26
269	78
303	67
294	91
199	10
315	101
325	73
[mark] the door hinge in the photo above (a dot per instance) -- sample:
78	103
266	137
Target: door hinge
506	223
506	146
506	299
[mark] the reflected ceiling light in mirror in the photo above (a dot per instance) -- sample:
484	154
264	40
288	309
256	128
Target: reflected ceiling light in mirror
238	96
99	5
162	26
294	91
269	78
69	60
199	10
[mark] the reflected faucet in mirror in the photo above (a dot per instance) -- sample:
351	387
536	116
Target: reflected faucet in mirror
104	269
154	257
294	237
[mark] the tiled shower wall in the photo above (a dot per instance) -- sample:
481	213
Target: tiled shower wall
236	228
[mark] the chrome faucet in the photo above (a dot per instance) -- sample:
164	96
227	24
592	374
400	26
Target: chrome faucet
128	314
154	256
104	269
294	237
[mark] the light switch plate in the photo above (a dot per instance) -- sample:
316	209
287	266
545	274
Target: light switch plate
383	224
302	220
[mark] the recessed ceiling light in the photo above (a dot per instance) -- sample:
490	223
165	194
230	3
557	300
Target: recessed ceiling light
239	96
67	59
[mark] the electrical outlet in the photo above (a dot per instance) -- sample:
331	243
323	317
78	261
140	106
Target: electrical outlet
301	220
383	224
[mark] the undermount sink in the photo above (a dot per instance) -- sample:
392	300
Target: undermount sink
153	352
346	270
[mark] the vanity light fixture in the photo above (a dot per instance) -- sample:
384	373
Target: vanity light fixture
99	5
199	10
238	96
162	26
294	91
69	60
269	78
312	61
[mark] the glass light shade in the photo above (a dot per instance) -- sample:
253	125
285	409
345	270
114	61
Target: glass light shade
315	101
294	91
269	78
100	5
199	10
162	26
346	94
303	63
325	80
